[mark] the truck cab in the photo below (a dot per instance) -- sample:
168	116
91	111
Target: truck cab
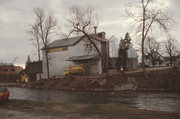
75	70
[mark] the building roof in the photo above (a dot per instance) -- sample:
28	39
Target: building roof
73	40
84	57
65	42
6	64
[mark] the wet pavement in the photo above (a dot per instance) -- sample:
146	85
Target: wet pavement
151	100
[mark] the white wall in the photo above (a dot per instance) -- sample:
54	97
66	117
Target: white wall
131	52
113	46
58	63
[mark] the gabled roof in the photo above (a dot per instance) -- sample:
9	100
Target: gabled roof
72	41
65	42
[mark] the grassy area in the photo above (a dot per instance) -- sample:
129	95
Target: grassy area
85	111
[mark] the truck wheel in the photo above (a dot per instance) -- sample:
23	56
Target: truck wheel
66	75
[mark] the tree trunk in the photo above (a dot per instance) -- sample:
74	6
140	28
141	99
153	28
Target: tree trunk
39	58
170	59
104	62
143	39
142	48
47	62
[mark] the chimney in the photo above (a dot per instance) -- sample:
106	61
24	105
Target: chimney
95	29
101	35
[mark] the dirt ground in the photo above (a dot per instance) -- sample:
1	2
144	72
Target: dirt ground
164	78
22	109
161	78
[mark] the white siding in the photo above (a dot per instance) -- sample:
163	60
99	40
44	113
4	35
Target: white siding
113	46
131	52
58	63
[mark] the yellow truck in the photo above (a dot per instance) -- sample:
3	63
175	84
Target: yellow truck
75	70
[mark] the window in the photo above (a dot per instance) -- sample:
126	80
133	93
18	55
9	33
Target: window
5	70
13	70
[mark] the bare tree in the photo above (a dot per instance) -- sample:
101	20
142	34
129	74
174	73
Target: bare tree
43	26
152	50
146	16
84	20
36	39
170	49
14	59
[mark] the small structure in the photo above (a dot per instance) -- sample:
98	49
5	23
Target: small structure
177	64
9	68
33	70
78	50
161	60
158	61
175	60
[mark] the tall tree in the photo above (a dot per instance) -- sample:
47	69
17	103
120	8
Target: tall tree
36	39
122	51
152	50
28	61
84	21
146	16
170	48
44	25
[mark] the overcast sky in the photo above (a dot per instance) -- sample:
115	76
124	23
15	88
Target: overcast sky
17	15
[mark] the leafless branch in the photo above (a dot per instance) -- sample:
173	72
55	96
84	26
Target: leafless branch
147	16
43	26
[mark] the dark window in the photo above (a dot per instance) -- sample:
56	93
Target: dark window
5	70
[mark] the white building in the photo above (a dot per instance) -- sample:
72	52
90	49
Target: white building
132	58
63	53
129	58
113	46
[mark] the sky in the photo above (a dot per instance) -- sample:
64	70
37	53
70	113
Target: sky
16	16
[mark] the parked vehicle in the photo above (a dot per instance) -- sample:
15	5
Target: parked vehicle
4	94
75	70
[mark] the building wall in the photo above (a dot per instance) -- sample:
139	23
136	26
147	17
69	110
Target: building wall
131	53
148	62
10	69
57	59
132	59
132	63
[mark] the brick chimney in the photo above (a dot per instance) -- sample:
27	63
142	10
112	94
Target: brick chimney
101	35
95	29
